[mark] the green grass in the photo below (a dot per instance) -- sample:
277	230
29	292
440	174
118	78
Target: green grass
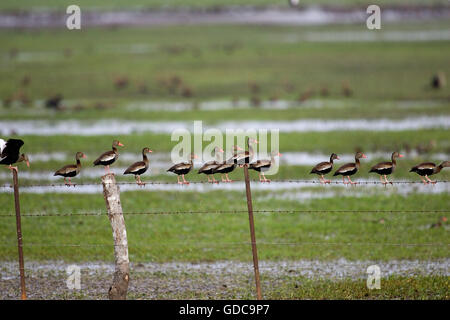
215	62
403	288
213	236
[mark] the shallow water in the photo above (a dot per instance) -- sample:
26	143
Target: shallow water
334	270
116	126
292	190
313	15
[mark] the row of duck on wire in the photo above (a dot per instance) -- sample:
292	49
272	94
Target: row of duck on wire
10	155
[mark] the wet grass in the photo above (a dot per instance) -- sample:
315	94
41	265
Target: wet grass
214	63
224	236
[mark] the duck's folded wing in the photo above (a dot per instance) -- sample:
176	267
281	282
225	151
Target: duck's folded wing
425	165
260	164
66	169
105	156
135	167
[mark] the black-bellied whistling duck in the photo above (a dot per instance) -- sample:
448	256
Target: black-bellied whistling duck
10	153
228	166
71	170
350	169
108	157
208	167
427	169
183	168
386	168
139	167
246	156
325	167
264	165
442	220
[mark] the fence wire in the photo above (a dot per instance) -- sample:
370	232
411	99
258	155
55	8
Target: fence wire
228	243
287	211
59	185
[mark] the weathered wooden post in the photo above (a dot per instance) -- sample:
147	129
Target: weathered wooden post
252	232
19	234
119	288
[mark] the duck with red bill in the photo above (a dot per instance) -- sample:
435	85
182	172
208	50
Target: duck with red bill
71	170
263	166
325	167
109	157
386	168
350	169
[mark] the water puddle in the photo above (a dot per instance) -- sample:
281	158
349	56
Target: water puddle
291	190
120	127
313	15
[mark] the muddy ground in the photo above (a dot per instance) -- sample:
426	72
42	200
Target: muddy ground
181	280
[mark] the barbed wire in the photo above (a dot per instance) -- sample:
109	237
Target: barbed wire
229	243
57	185
286	211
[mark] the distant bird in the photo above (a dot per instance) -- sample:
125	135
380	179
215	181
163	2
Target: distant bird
439	223
386	168
427	169
264	165
108	157
10	153
244	157
438	81
325	167
208	167
349	169
71	170
139	167
228	166
183	168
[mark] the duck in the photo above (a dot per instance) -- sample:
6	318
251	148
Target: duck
71	170
10	153
386	168
246	156
442	220
139	167
262	166
183	168
209	166
427	169
107	158
350	169
227	166
325	167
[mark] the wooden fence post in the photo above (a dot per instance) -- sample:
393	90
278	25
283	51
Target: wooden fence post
252	232
19	234
119	288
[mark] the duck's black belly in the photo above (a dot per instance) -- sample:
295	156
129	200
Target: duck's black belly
108	162
323	171
138	172
347	173
183	171
384	171
425	172
226	169
70	174
209	171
